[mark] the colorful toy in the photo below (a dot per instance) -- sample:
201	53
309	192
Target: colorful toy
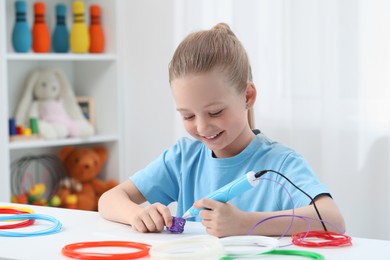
49	97
12	126
34	125
83	165
19	130
61	33
21	35
95	30
40	30
54	201
70	201
79	35
19	133
35	180
36	196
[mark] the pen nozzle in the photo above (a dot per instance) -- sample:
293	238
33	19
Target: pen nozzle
186	215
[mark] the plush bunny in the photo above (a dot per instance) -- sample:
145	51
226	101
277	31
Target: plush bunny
49	97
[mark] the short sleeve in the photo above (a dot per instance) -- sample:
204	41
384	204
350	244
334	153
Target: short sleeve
158	182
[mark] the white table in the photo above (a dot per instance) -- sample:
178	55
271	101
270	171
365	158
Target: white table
82	226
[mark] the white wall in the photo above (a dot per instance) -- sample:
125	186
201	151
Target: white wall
147	46
322	73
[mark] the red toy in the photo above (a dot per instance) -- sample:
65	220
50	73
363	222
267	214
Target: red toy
96	31
40	30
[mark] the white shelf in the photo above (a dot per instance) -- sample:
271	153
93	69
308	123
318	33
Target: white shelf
94	75
17	145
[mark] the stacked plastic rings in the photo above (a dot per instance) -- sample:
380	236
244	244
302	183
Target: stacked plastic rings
71	250
51	230
328	239
15	211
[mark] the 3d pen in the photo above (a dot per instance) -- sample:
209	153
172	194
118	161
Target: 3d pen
228	191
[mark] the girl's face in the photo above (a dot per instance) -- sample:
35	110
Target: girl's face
213	112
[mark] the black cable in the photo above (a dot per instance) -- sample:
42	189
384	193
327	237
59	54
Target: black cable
261	173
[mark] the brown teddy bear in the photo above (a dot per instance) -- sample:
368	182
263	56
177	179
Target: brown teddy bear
82	189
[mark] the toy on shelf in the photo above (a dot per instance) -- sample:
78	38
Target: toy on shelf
80	39
21	35
12	127
79	35
35	180
95	30
19	133
83	165
40	30
49	97
61	33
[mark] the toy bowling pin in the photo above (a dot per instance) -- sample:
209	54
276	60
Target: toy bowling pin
21	34
61	33
79	35
95	30
40	30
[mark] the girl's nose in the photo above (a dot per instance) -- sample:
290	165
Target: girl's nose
202	125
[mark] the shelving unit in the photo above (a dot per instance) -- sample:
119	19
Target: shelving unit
95	75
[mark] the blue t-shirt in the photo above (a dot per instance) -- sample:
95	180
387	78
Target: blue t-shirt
187	172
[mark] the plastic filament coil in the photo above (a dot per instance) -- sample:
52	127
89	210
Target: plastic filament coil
203	247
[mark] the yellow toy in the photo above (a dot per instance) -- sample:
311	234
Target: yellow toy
79	34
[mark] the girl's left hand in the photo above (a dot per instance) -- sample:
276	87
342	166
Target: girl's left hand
221	219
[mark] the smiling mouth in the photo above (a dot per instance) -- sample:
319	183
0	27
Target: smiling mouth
211	137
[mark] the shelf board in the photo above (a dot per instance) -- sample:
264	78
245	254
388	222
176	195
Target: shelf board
60	57
62	142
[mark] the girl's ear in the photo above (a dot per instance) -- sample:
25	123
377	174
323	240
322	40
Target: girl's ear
250	95
250	98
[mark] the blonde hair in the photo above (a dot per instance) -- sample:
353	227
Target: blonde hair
214	49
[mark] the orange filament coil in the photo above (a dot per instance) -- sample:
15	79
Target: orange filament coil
71	250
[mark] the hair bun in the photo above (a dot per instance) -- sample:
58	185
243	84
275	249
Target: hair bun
223	27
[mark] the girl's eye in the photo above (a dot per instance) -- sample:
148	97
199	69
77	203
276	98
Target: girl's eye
216	113
188	117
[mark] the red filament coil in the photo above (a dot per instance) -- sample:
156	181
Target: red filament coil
327	239
24	223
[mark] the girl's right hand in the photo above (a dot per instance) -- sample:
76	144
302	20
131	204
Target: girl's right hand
152	218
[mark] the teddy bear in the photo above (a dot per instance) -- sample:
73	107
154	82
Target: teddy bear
82	188
49	97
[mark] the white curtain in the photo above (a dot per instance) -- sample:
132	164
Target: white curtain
322	73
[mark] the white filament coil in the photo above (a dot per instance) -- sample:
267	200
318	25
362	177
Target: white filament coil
248	245
190	248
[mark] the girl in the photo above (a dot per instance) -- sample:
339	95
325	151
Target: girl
211	82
